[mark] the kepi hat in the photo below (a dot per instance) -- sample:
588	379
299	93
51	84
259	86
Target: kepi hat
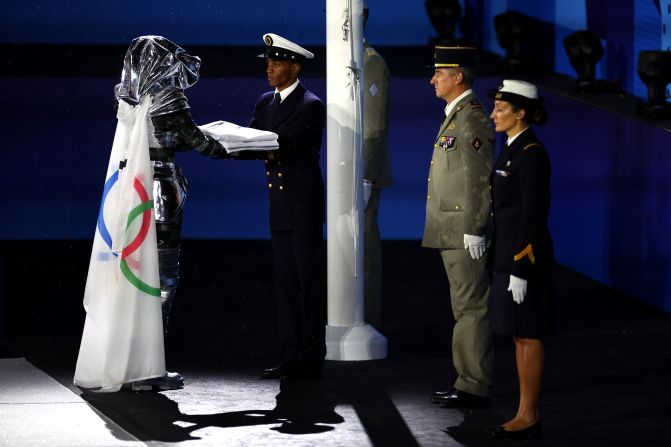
281	49
523	95
454	57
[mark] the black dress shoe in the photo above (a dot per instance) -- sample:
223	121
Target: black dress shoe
438	395
303	372
533	431
461	399
276	372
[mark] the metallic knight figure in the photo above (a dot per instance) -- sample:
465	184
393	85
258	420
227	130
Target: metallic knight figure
155	66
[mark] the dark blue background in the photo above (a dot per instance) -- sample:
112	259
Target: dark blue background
611	210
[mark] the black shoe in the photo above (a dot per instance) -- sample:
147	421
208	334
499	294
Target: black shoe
533	431
437	396
170	381
461	399
303	372
276	372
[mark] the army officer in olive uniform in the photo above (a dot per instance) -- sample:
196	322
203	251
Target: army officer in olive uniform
297	209
458	210
376	172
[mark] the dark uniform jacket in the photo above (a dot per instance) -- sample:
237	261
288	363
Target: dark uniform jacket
295	184
521	204
458	200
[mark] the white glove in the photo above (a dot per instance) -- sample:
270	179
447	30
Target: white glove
475	244
367	190
518	287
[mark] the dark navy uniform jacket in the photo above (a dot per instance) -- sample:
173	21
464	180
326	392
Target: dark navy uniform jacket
295	183
521	204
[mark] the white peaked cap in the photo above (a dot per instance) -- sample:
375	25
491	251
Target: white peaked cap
282	48
522	88
525	95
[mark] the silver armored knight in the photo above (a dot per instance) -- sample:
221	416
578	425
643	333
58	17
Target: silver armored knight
157	67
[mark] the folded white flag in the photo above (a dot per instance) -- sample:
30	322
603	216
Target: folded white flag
226	132
257	145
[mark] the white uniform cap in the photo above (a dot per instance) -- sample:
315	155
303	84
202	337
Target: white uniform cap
523	94
279	48
522	88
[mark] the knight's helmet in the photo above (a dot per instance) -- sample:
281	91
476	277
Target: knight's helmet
154	65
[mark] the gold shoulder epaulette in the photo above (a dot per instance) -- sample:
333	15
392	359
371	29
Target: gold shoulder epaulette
530	145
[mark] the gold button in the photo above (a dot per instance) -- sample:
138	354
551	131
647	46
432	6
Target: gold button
429	178
279	174
428	197
270	185
456	207
281	187
491	214
431	161
266	161
268	173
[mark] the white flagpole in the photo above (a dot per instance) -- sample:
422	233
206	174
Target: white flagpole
347	335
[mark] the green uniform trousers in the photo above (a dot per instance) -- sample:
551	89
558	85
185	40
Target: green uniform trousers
372	263
471	339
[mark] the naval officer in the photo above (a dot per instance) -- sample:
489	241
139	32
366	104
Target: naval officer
297	209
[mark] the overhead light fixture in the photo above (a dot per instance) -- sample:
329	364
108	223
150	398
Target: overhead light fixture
445	16
654	69
584	50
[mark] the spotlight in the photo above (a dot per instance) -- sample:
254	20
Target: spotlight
512	29
654	69
584	49
444	16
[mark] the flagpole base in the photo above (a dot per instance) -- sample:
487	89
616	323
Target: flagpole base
352	343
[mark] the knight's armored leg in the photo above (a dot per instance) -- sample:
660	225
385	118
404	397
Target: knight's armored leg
170	189
168	259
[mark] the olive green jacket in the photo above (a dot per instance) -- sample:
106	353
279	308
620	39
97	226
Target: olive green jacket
459	199
377	166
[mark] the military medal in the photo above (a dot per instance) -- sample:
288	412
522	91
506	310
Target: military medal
446	142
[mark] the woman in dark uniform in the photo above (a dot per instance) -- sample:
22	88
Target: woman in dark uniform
521	291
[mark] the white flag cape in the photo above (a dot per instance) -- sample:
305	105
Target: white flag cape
123	332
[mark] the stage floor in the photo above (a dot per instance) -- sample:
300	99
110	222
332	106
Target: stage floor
607	377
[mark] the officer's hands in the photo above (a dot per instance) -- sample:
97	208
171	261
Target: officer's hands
367	190
518	287
475	245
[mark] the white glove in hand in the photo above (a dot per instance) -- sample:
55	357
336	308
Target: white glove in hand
518	287
367	190
475	244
